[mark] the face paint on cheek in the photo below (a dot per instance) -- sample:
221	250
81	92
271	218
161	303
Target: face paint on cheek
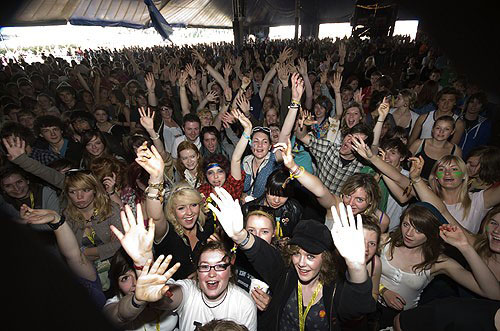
458	174
440	174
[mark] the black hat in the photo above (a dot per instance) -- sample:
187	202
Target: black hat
312	236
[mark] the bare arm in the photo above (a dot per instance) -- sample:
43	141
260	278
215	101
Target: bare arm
185	105
302	68
417	129
151	84
383	111
241	145
459	131
265	82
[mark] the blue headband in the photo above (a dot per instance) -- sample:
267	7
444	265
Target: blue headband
433	210
212	165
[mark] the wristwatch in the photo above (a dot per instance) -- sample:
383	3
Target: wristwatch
55	226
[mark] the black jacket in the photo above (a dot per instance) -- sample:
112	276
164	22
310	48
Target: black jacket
288	215
343	300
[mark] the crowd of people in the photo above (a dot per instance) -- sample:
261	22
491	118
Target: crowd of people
320	185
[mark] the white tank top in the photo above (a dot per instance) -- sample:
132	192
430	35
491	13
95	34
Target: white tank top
408	285
428	123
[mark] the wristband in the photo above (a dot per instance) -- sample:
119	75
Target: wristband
55	226
138	267
246	136
135	304
245	241
156	138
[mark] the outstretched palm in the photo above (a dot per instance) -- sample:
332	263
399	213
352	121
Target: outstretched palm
347	234
228	212
151	284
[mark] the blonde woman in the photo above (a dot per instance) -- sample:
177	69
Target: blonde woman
180	225
89	213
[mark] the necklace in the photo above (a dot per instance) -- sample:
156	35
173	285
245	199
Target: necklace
217	305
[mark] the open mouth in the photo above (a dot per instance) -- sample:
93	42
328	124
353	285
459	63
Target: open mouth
212	284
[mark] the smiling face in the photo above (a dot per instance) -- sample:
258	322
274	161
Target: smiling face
192	130
271	116
319	111
95	147
474	107
307	265
352	116
216	176
493	231
358	200
166	112
189	159
275	134
210	142
214	283
393	157
450	176
412	238
260	226
442	130
15	186
260	145
81	198
346	147
187	214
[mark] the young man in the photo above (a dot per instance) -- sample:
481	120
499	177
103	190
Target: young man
191	127
336	162
50	129
446	100
13	130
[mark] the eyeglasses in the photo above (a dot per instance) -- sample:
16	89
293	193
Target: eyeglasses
261	128
217	267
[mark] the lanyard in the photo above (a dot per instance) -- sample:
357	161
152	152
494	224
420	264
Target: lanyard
303	315
279	229
32	200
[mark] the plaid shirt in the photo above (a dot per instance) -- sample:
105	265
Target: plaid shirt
330	168
44	156
231	185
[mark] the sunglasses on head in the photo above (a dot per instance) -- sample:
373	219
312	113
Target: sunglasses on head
261	129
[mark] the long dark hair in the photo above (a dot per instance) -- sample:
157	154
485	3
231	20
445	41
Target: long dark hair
423	220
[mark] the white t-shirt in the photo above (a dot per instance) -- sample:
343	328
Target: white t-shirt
237	306
394	209
476	212
178	141
167	320
169	136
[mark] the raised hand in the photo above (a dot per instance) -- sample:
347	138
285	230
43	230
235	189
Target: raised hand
245	122
147	118
149	79
151	161
136	239
453	235
347	234
245	81
342	50
212	96
15	147
109	183
337	82
361	148
191	70
383	109
200	58
297	87
285	54
286	152
417	164
228	213
228	93
283	73
243	103
183	78
358	97
228	69
151	284
323	77
308	118
302	68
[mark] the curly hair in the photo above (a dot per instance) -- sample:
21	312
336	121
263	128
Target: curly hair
329	266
